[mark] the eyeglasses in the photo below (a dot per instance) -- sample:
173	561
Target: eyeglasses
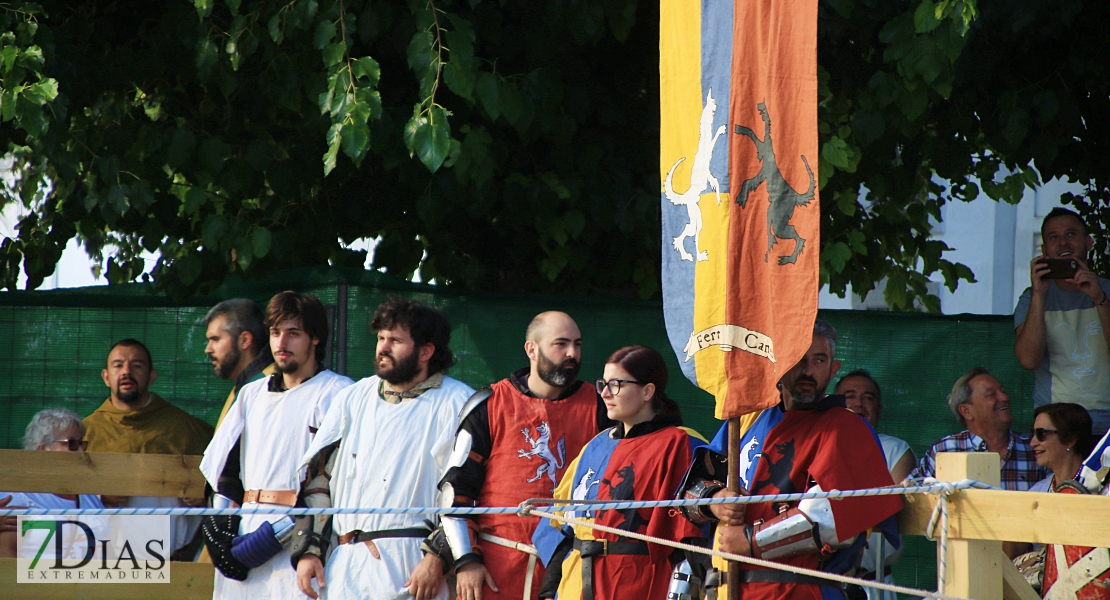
614	385
1041	432
74	444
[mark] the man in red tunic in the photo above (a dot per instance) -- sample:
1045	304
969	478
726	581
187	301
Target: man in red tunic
514	442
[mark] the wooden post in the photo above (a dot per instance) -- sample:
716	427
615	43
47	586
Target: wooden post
974	567
734	435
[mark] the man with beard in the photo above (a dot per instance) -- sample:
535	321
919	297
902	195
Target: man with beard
816	445
135	420
237	345
269	427
513	444
385	443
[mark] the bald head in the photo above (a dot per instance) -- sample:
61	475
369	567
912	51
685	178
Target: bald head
553	344
547	321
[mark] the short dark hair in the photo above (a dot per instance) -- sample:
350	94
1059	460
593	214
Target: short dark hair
646	365
1072	423
290	305
133	343
864	373
426	325
241	314
1060	211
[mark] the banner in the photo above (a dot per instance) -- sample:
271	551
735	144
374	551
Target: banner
740	210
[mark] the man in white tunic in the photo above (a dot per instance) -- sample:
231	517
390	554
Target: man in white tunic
273	420
385	442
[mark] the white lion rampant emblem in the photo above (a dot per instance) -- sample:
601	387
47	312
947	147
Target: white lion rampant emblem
581	490
540	447
700	180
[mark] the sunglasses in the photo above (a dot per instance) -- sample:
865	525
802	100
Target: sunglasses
1041	432
614	385
74	444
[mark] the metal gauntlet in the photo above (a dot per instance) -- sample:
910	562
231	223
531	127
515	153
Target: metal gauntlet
700	490
789	534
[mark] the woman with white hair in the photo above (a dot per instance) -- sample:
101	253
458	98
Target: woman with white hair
55	429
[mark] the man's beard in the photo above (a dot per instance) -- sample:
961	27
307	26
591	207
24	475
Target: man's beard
807	397
290	367
131	397
227	365
559	376
402	371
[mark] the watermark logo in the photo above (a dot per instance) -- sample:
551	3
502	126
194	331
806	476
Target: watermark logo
93	549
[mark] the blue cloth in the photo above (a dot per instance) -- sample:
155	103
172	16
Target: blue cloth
256	547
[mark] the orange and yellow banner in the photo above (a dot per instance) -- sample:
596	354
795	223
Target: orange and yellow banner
740	211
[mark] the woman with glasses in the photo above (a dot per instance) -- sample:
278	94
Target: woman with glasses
1061	441
59	430
643	457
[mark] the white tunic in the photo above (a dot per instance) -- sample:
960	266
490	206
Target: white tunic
391	455
275	432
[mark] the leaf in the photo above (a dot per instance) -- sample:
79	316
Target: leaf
208	55
325	31
574	222
333	54
204	8
260	242
489	94
276	29
334	140
233	5
355	139
428	136
366	67
925	17
836	255
194	199
212	230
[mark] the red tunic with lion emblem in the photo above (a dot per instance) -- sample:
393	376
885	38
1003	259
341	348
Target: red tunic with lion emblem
532	440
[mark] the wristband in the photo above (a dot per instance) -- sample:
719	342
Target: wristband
1104	302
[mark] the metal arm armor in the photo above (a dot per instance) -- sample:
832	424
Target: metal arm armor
312	533
700	490
809	528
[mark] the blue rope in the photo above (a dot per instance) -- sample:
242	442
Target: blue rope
524	509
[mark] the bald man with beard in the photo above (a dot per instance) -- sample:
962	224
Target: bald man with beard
514	441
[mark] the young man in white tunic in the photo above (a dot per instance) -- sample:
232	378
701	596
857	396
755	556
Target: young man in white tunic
385	442
274	420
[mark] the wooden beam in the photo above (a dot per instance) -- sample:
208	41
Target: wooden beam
188	581
168	475
1014	516
973	567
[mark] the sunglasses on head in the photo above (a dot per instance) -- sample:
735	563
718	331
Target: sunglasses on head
74	444
1040	433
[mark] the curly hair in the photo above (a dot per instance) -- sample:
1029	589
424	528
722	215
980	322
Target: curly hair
426	325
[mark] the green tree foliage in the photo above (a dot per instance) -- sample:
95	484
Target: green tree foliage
508	145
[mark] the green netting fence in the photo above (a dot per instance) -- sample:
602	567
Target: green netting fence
53	345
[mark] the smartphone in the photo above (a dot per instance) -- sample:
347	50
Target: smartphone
1060	268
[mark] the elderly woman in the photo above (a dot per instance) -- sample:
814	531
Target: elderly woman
1061	440
59	430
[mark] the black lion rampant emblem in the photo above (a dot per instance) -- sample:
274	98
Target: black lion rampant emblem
625	491
778	472
783	197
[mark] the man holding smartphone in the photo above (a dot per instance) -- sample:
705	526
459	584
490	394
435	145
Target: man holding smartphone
1063	321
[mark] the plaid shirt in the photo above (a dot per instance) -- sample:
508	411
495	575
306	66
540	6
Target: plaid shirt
1019	464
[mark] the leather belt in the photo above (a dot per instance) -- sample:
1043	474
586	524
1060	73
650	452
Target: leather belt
357	536
591	548
283	497
773	576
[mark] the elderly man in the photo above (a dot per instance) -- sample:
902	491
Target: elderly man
862	396
1063	323
138	421
385	443
268	428
237	345
981	405
816	445
514	443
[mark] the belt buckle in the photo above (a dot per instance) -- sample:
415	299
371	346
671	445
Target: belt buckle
604	547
